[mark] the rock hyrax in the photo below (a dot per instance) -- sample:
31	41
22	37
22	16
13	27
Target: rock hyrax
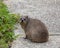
35	30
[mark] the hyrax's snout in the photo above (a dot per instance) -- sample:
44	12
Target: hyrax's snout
21	19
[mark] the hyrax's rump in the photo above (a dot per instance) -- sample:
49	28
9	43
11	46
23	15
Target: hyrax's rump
35	30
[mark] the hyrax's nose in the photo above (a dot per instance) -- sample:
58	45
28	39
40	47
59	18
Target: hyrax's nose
22	20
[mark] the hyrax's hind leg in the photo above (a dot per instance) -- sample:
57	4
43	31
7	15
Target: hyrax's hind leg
44	37
40	38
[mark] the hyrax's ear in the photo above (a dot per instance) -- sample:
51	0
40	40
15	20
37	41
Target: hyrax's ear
26	16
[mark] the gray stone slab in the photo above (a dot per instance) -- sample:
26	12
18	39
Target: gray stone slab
48	11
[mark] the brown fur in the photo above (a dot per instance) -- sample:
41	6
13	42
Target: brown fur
35	30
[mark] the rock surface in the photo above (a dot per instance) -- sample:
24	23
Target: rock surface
23	43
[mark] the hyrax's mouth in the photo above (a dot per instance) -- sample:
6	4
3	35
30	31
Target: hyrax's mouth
21	20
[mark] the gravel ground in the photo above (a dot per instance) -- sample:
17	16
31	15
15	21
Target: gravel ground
48	11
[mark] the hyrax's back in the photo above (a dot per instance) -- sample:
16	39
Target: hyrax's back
36	31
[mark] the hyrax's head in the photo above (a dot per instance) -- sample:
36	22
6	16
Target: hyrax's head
24	20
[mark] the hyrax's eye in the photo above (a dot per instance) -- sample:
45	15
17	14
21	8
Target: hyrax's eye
24	19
